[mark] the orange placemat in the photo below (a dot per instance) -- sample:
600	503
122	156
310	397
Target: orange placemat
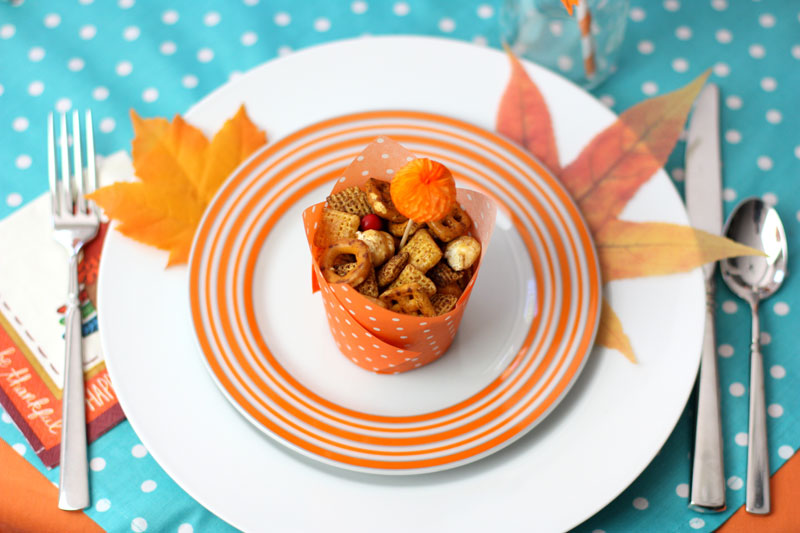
785	516
29	501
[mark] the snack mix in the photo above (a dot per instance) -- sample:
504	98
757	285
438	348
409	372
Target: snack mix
423	278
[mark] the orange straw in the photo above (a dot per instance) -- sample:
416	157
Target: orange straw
587	43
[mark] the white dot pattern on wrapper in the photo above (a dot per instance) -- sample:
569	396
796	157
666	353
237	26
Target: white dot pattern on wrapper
740	439
736	389
682	490
729	306
19	448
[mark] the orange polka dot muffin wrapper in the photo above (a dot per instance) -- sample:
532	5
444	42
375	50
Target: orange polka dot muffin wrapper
370	336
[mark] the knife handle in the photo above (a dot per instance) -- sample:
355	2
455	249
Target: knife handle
708	472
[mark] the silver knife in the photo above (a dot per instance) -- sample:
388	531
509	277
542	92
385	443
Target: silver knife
704	203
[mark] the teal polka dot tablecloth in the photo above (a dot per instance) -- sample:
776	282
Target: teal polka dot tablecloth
160	57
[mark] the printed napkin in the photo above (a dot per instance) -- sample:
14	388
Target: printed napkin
33	289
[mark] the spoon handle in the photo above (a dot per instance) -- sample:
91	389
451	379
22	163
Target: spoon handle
757	500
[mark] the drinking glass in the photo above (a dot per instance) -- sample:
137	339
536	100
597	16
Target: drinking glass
583	47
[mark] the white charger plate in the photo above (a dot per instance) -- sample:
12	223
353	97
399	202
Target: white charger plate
597	441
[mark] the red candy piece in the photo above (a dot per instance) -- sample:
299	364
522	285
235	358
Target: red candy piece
371	222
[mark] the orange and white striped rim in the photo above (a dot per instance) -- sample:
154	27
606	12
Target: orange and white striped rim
553	352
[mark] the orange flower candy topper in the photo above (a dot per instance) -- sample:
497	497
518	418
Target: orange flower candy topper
423	190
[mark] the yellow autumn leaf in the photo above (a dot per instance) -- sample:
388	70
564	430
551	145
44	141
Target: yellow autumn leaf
611	335
637	249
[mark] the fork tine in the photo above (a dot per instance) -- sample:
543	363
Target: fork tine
66	182
77	161
52	172
91	171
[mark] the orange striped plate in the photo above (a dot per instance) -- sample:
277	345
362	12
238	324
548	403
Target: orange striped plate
527	331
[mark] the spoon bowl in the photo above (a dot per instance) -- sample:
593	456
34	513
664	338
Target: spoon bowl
754	278
756	224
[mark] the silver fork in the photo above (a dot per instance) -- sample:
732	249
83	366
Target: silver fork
75	222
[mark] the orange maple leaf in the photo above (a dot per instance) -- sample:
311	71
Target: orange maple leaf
523	116
624	156
179	171
606	175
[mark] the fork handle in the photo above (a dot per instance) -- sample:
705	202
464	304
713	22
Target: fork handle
73	487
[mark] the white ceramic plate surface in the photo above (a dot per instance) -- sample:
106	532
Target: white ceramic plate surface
595	443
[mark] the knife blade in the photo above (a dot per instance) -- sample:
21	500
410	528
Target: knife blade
703	167
704	204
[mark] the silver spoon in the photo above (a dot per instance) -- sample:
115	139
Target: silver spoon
754	278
